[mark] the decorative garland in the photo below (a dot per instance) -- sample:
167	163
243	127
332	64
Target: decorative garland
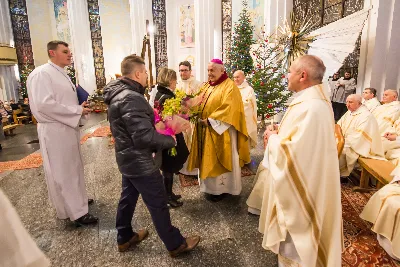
97	43
160	34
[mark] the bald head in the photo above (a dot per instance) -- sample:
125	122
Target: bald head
305	72
239	77
390	95
353	102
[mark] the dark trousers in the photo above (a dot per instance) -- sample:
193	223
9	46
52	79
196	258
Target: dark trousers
339	109
168	182
154	196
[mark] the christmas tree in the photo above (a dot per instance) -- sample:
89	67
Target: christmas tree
238	56
269	78
26	69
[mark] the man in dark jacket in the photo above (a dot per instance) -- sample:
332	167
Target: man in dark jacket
137	144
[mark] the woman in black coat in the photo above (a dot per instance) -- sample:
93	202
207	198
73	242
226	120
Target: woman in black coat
166	80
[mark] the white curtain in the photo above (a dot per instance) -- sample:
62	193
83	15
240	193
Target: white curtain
82	44
208	35
8	74
140	11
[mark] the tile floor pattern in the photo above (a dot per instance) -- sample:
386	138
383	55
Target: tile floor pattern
229	234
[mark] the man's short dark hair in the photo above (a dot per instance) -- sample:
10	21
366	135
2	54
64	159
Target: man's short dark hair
52	45
129	63
185	63
372	90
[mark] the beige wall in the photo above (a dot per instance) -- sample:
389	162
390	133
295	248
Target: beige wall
116	32
41	28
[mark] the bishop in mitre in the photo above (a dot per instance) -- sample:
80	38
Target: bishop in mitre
387	113
250	106
361	135
383	211
54	103
17	248
220	141
301	213
369	99
190	86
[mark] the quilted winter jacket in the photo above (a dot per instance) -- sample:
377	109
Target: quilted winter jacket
132	126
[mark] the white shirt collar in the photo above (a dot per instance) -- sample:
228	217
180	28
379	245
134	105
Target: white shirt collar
56	66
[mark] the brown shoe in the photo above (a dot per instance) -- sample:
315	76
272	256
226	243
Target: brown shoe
190	244
136	239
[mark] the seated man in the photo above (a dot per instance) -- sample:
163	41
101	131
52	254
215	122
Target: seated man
389	112
370	100
382	210
391	143
361	135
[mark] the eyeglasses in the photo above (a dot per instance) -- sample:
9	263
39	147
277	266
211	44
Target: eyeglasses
184	70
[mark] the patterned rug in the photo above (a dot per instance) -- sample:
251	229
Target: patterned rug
191	180
103	131
246	171
188	180
361	246
35	160
32	161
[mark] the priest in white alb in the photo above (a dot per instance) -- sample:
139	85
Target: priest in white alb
391	143
220	141
369	99
383	211
191	86
301	212
361	135
388	112
17	248
250	106
54	103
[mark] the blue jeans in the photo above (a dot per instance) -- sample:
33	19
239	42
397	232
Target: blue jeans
154	196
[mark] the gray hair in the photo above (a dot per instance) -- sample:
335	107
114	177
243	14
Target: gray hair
394	91
312	65
356	97
240	72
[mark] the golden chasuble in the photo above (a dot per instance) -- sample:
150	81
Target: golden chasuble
211	152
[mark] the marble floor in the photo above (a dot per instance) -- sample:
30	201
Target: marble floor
229	234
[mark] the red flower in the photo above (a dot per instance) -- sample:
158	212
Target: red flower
262	83
266	40
268	116
269	105
283	76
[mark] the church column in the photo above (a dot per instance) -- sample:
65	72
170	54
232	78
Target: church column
8	74
140	11
379	54
208	34
276	12
81	44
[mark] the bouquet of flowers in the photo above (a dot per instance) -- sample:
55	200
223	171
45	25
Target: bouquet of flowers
191	105
174	116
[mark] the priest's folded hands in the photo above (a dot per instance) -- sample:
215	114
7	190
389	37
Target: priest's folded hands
86	110
271	129
390	136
